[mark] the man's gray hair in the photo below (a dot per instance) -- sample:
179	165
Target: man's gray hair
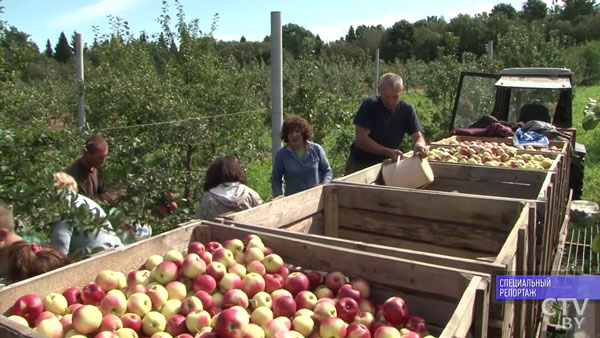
391	80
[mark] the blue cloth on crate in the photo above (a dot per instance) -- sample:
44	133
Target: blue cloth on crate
525	138
299	175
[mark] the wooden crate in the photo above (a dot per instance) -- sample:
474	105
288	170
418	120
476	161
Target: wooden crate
452	301
462	231
562	146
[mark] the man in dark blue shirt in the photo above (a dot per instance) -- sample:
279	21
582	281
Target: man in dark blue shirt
380	123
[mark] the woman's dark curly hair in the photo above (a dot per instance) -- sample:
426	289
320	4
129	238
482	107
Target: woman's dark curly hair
224	169
296	122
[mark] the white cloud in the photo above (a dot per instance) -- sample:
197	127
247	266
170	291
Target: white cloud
91	12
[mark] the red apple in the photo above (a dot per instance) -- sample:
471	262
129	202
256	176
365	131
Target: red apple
73	295
92	294
108	280
110	322
205	298
205	256
253	283
132	321
296	282
197	321
348	291
314	278
386	331
231	323
333	327
284	272
395	311
176	325
190	304
416	324
273	282
346	308
165	272
216	269
230	281
363	286
172	206
135	277
284	306
212	246
113	304
335	280
235	297
256	267
138	288
357	330
223	256
42	316
205	283
196	247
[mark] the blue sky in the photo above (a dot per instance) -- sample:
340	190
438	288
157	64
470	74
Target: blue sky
330	19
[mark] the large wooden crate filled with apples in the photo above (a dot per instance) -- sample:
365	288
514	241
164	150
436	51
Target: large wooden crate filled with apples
212	280
536	186
461	231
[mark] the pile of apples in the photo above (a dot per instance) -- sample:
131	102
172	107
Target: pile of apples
237	289
491	154
528	147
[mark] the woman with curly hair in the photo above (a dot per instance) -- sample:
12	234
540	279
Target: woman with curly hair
301	163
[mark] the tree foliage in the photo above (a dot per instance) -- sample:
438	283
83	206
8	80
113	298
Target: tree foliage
63	51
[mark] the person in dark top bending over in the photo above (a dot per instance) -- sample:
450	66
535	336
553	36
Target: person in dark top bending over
380	123
86	169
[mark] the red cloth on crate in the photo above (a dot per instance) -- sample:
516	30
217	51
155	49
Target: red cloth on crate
493	130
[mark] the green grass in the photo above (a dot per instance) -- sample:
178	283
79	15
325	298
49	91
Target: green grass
591	140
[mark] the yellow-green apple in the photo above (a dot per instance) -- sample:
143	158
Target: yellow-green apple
153	322
346	308
296	282
118	293
365	318
286	321
223	256
322	291
304	312
386	331
193	265
284	272
138	288
216	269
230	281
324	310
239	258
395	311
122	280
42	316
113	304
294	334
206	256
132	321
55	303
363	286
171	307
357	330
314	278
256	266
152	262
250	237
197	320
254	331
273	263
107	279
279	293
158	295
176	290
165	272
366	305
253	254
205	298
174	256
51	328
335	280
72	295
284	306
304	325
255	242
139	303
138	277
190	304
273	282
261	299
416	324
252	284
110	323
87	319
217	298
234	245
212	246
160	334
235	297
231	323
176	325
238	269
305	300
205	283
196	247
73	334
19	320
261	315
333	327
127	333
92	294
29	307
273	327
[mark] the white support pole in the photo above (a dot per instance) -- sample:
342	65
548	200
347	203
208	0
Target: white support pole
80	94
276	82
491	50
376	82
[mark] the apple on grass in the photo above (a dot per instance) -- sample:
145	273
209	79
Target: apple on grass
87	319
333	327
153	322
29	307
